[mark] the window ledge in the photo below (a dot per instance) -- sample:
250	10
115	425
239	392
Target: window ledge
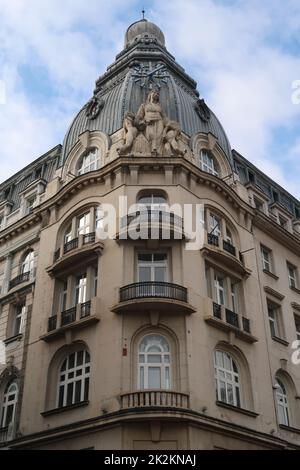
13	339
269	273
236	408
64	409
295	289
280	340
289	428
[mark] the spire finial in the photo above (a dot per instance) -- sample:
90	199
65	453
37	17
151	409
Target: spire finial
143	13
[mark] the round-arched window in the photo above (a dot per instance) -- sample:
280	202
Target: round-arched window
207	163
227	379
74	379
9	407
90	162
28	263
154	364
282	403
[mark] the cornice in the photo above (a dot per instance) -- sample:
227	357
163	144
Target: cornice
78	183
277	232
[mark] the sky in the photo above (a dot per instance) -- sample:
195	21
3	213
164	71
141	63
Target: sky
244	55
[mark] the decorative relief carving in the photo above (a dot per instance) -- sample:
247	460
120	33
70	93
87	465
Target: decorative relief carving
94	107
150	131
202	110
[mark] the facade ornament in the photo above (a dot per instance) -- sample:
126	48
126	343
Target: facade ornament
130	132
202	110
94	107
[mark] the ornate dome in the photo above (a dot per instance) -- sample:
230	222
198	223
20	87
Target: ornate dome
143	65
143	29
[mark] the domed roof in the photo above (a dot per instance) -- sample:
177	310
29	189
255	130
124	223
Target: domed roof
145	29
145	65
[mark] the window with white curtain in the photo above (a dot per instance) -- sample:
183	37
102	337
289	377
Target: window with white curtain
28	263
154	363
90	162
74	379
227	379
9	406
282	403
207	163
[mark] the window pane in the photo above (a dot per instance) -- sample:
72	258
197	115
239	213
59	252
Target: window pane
154	377
144	274
78	392
70	394
154	359
86	389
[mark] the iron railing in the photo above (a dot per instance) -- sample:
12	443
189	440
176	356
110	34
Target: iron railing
212	239
85	310
153	216
142	290
69	316
24	277
158	398
70	246
56	255
229	248
217	311
232	318
52	323
89	238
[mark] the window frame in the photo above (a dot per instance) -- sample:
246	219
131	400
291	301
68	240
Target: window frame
8	402
86	163
267	262
282	402
164	366
207	163
62	395
221	376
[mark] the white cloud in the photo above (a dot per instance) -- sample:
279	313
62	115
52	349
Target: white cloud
242	54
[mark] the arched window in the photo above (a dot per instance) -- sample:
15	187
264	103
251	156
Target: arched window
207	163
68	234
282	403
74	379
90	162
10	401
28	263
152	201
227	379
154	369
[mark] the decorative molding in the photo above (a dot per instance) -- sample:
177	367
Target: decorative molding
273	292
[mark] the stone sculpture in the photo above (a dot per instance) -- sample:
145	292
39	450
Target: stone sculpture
171	136
130	132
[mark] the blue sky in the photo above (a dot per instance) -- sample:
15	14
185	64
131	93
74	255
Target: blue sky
244	54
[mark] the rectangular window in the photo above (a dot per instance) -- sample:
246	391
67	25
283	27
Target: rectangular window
258	204
214	225
292	274
152	267
30	204
266	259
81	289
19	314
83	224
297	326
95	282
274	320
63	296
220	292
282	222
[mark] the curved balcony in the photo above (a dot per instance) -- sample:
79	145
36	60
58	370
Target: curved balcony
154	398
24	277
153	296
85	247
151	224
223	251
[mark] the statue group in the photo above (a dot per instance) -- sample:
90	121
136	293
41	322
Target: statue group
151	130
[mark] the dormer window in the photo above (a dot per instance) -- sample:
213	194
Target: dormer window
90	162
207	163
30	203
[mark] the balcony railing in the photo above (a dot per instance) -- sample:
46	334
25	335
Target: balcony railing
212	239
229	248
141	290
154	398
4	435
89	238
217	311
232	318
85	310
52	323
71	245
69	316
24	277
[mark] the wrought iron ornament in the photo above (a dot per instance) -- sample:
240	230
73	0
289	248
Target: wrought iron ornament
94	107
202	110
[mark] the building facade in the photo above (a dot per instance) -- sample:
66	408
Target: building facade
124	332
